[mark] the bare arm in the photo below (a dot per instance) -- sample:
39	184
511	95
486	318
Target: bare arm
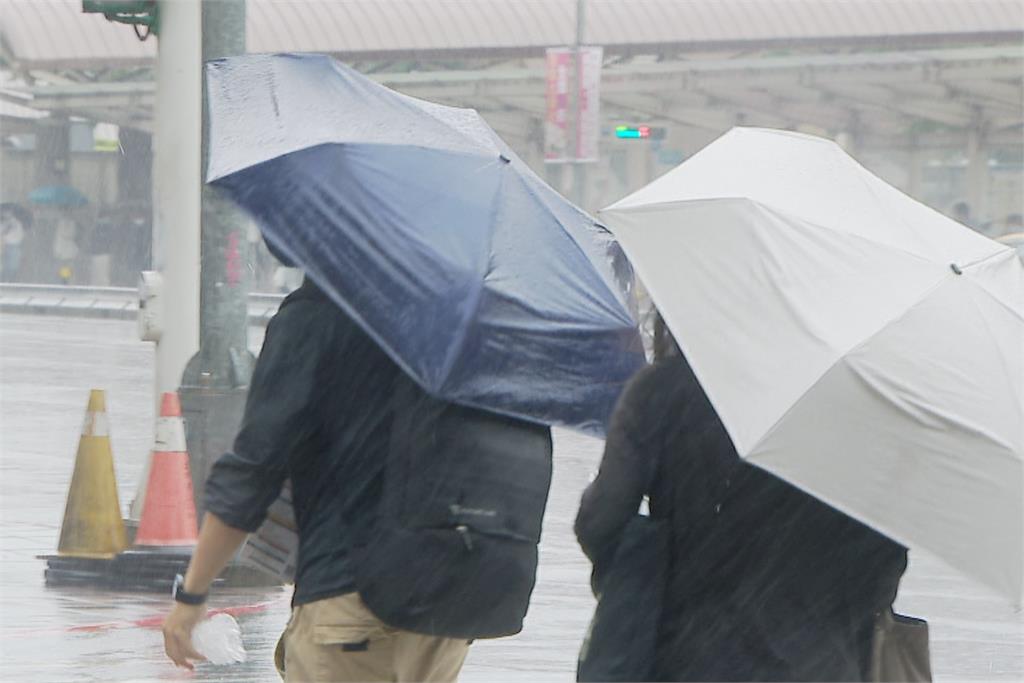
245	481
217	544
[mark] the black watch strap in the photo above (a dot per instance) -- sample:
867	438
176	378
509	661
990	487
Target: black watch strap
183	596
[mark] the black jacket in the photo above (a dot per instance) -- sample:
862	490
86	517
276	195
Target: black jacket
765	581
318	412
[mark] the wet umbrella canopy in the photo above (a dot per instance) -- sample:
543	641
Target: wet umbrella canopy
854	342
57	195
476	277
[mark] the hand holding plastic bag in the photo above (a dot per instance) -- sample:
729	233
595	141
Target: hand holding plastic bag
219	639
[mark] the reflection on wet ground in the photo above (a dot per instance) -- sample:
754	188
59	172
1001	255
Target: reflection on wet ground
47	366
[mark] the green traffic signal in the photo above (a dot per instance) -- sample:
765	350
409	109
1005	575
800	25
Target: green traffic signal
639	133
629	132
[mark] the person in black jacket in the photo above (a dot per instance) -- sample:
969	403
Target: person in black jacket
319	412
765	582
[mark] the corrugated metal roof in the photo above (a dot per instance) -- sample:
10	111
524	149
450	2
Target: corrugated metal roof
613	22
51	32
408	25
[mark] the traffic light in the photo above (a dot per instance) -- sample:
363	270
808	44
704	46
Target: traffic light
135	12
639	132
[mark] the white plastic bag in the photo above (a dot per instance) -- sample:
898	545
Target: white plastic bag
219	639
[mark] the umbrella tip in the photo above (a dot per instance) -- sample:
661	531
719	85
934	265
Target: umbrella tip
956	269
505	158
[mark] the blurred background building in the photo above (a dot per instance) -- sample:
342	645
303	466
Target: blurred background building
925	93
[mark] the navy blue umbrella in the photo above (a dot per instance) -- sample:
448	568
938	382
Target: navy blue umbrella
482	282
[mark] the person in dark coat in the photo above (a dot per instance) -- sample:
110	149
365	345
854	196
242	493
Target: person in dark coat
765	581
319	413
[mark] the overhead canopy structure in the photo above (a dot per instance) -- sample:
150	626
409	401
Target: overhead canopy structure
888	92
46	34
891	73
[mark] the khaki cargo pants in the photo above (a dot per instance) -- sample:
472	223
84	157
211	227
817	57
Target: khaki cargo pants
339	639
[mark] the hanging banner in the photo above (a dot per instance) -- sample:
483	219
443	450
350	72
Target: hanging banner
588	125
557	148
556	127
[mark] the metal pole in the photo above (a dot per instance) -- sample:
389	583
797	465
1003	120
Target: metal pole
176	135
915	168
176	161
977	172
223	360
579	171
216	379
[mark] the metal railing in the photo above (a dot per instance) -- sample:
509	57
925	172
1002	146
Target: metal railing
102	302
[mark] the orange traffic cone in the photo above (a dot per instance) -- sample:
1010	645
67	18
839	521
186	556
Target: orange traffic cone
92	517
169	513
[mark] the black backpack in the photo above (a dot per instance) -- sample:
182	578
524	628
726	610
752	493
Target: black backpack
453	551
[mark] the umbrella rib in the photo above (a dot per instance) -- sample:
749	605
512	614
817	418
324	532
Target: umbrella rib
988	326
1013	311
1010	255
540	200
431	108
455	351
864	181
977	262
864	342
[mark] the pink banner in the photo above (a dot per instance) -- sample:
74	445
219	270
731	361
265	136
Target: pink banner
556	122
556	125
588	125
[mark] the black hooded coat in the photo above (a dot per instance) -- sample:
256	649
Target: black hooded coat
765	581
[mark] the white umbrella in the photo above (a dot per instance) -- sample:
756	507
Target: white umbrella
854	341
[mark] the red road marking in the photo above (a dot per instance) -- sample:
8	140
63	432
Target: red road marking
154	621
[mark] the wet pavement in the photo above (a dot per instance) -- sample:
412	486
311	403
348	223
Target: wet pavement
48	365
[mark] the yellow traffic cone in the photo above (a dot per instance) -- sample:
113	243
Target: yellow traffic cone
92	518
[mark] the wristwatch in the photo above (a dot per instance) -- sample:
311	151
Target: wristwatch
179	593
